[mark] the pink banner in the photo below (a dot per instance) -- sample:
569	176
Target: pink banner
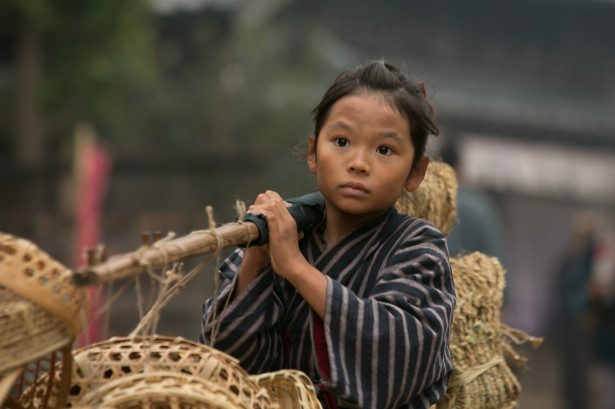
93	170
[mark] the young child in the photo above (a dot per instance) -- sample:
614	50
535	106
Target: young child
363	303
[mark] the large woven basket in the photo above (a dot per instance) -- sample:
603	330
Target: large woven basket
41	314
99	364
211	374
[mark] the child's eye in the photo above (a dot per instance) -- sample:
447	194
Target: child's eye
341	142
384	150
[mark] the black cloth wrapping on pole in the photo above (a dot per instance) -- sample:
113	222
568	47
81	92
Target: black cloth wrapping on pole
307	210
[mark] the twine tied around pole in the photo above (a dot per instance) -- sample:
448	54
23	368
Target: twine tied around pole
240	208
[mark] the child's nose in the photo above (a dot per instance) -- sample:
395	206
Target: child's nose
359	163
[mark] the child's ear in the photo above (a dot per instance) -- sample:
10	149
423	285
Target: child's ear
417	174
311	158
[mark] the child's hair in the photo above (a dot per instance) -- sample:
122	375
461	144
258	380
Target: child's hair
404	95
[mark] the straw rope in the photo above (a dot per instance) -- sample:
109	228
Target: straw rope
219	241
168	283
241	209
472	373
174	280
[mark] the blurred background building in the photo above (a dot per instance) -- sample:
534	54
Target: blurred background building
201	102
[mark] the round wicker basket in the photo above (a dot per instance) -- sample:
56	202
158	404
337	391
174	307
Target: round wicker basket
133	367
99	364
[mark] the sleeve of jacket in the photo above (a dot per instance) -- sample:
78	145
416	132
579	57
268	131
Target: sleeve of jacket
247	327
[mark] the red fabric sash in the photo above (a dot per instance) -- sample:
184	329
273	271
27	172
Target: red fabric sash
323	360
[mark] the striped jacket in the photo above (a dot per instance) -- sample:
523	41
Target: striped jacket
389	306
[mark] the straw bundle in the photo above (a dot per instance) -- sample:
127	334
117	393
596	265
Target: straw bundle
435	199
481	377
40	316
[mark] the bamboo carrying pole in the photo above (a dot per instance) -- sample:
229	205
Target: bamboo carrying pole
165	253
306	210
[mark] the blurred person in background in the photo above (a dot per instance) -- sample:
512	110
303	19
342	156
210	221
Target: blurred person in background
587	307
478	226
601	314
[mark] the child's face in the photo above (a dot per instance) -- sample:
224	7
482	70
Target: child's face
364	156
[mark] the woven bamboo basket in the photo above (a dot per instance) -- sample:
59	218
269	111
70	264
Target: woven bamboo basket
169	390
481	377
99	364
41	314
149	371
435	199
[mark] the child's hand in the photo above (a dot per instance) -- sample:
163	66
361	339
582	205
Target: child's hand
285	255
283	244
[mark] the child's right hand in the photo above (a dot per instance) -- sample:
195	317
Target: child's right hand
257	258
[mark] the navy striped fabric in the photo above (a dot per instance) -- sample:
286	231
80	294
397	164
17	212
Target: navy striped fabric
390	301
